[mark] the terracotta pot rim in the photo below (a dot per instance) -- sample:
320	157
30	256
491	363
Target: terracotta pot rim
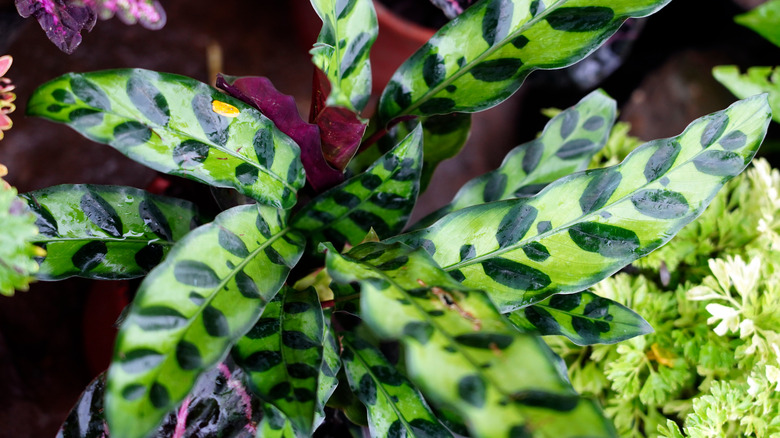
401	25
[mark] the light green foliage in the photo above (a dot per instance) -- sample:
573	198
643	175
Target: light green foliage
583	317
756	80
586	226
180	126
480	59
282	355
712	362
764	19
460	351
274	424
17	229
380	198
565	146
191	309
105	232
395	407
349	28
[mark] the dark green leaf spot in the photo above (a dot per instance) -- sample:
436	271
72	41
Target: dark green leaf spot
542	320
599	190
520	42
496	70
547	400
434	70
302	371
366	390
195	273
715	128
153	318
467	252
533	155
660	204
472	390
515	224
495	187
607	240
231	243
140	361
158	395
155	220
387	375
247	173
89	256
297	340
274	256
437	105
263	328
536	252
215	322
580	19
130	134
101	213
345	199
262	361
247	286
148	100
497	21
391	201
515	275
90	93
190	153
64	96
133	391
543	227
280	390
357	49
294	308
570	119
593	123
565	302
662	159
214	125
85	117
719	163
576	148
733	140
188	356
370	181
485	341
419	331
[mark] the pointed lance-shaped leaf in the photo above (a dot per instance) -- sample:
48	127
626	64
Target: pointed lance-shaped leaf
105	232
331	364
218	405
380	198
583	317
763	19
460	351
349	28
260	93
584	227
282	355
506	40
395	407
179	126
565	146
190	310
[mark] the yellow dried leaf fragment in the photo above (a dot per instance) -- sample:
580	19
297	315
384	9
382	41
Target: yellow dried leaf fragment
224	109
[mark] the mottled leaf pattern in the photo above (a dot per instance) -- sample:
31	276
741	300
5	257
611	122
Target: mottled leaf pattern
756	80
460	351
219	405
180	126
349	28
565	146
105	232
274	424
395	407
584	227
191	309
380	198
480	59
583	317
327	380
282	355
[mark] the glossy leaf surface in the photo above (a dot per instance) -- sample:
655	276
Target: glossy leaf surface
179	126
105	232
190	310
282	355
756	80
395	407
584	227
583	317
380	198
219	405
764	19
480	59
460	351
349	28
565	146
327	380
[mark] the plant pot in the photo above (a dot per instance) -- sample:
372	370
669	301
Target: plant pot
398	39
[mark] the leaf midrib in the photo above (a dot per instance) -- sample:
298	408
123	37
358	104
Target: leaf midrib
387	395
157	240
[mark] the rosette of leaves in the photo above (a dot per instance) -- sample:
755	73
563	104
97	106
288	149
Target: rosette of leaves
466	297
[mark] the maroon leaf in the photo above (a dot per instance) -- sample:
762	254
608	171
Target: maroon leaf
280	108
341	130
62	21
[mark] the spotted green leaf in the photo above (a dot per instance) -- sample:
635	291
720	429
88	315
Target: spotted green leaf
327	380
584	227
460	351
482	57
756	80
380	198
274	424
282	355
189	311
565	146
349	28
583	317
180	126
764	20
395	407
105	232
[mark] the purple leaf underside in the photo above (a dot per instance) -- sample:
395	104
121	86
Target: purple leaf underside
62	21
280	108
